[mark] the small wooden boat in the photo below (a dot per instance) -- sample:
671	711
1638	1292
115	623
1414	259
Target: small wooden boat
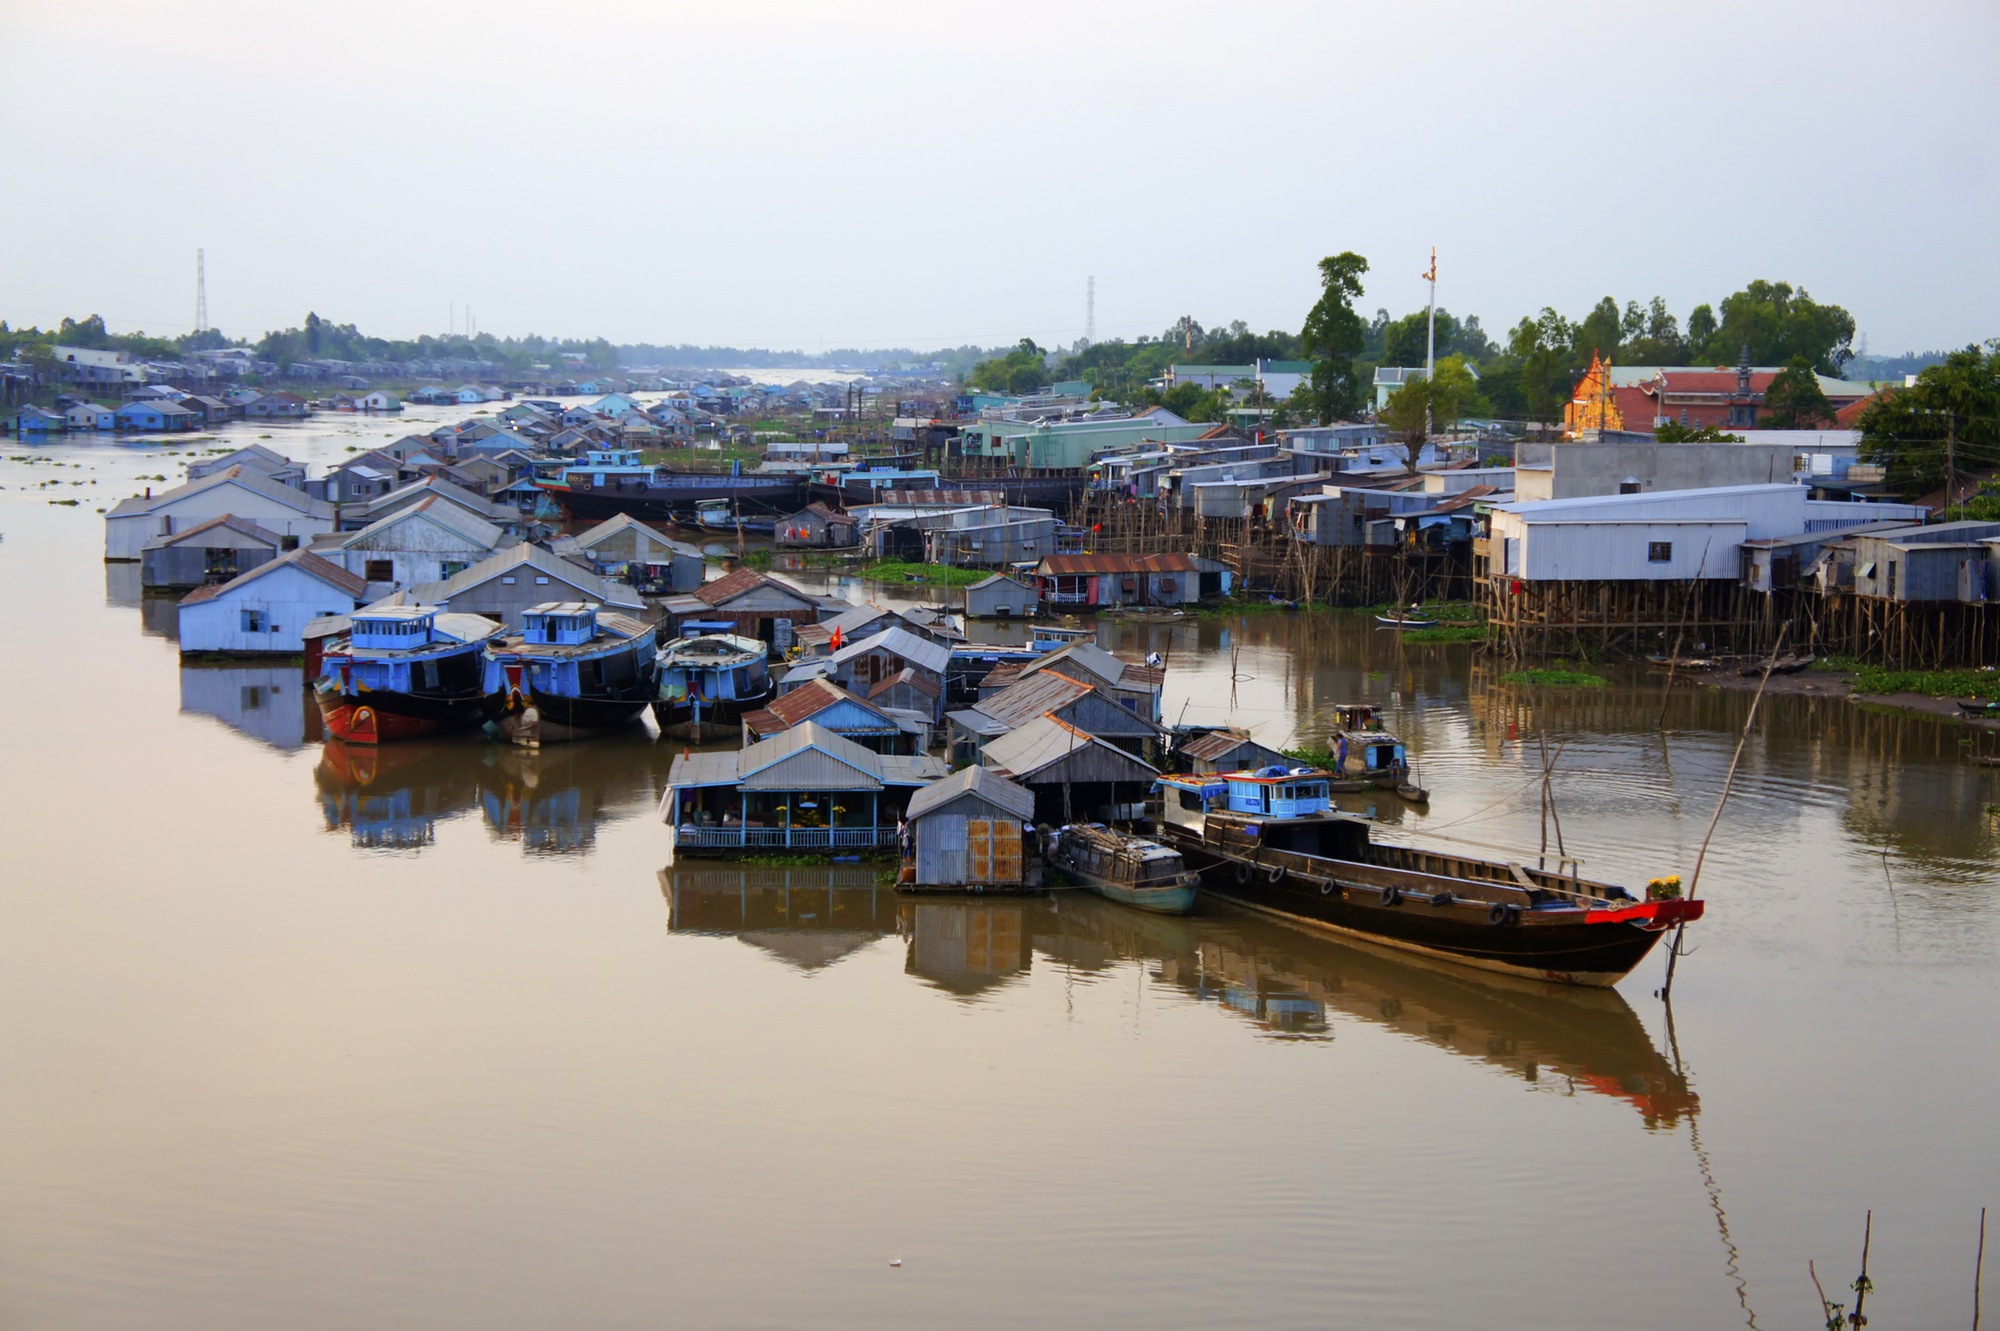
1407	621
1414	793
1365	755
1784	665
1126	869
1978	707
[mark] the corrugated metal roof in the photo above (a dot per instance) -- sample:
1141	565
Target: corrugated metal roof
592	587
917	650
812	698
742	580
1069	566
911	769
1041	744
246	477
242	526
1031	696
304	561
979	782
808	757
978	722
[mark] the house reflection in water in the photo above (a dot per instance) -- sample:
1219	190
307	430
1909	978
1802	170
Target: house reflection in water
808	918
269	703
390	797
968	948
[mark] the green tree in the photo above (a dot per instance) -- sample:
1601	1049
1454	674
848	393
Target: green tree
1544	346
1795	401
1332	335
1672	433
1600	333
1948	423
1022	370
1701	328
1436	403
1778	323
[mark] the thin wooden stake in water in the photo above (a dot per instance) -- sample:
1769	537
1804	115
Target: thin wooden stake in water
1978	1268
1861	1286
1694	880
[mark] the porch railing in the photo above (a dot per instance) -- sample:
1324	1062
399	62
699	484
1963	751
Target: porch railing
807	838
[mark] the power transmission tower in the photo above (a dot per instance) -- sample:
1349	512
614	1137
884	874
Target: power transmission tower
1090	310
200	291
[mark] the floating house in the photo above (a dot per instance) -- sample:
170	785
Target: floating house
1075	701
40	420
968	833
254	457
881	729
1100	580
505	585
91	416
428	541
862	621
158	414
625	548
1137	688
894	668
1001	597
276	406
238	491
354	517
265	610
209	552
807	789
1075	776
745	603
817	527
1226	751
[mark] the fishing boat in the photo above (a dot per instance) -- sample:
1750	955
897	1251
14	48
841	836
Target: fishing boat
727	515
868	481
1126	869
401	672
1412	619
1784	665
607	482
573	671
1367	757
1978	707
1271	840
710	680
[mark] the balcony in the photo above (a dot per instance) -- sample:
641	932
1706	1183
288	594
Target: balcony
787	838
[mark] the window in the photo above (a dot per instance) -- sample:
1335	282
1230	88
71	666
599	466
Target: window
541	580
507	580
451	568
1191	799
1892	578
1628	487
1659	552
289	542
252	621
379	570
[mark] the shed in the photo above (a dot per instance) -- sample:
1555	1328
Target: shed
1001	597
817	527
967	831
625	548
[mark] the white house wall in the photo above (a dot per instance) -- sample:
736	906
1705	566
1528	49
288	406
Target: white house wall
287	598
125	536
1621	551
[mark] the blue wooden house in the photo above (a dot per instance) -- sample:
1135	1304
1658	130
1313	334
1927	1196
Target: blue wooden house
156	415
37	420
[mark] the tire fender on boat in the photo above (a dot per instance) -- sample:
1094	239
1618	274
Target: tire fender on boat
1392	896
1274	874
1502	914
1242	873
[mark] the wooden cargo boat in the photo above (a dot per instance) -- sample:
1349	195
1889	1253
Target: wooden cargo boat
1126	869
1367	757
573	671
1271	840
401	672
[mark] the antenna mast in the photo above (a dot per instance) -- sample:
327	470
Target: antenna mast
200	291
1089	310
1430	346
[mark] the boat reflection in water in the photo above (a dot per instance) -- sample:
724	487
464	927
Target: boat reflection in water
1294	983
552	800
1291	984
808	918
391	797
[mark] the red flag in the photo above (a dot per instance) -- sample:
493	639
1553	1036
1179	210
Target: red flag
836	638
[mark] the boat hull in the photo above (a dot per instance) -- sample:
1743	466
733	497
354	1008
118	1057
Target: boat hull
1176	899
1595	948
714	717
533	718
383	717
676	502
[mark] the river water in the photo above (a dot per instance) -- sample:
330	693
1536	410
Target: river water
307	1038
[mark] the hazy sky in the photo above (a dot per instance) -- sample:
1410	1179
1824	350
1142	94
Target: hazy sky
924	174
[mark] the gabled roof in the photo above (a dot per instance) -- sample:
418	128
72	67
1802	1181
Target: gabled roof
242	526
443	489
1094	660
842	764
1218	744
814	697
993	578
1041	744
333	575
431	508
980	783
731	585
243	477
588	584
914	648
611	526
1031	696
924	684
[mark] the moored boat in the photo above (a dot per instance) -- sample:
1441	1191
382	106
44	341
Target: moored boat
1366	756
711	680
1270	839
402	672
572	671
1126	869
607	482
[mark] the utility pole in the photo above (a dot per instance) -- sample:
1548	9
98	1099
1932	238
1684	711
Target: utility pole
1950	460
200	291
1089	310
1430	347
